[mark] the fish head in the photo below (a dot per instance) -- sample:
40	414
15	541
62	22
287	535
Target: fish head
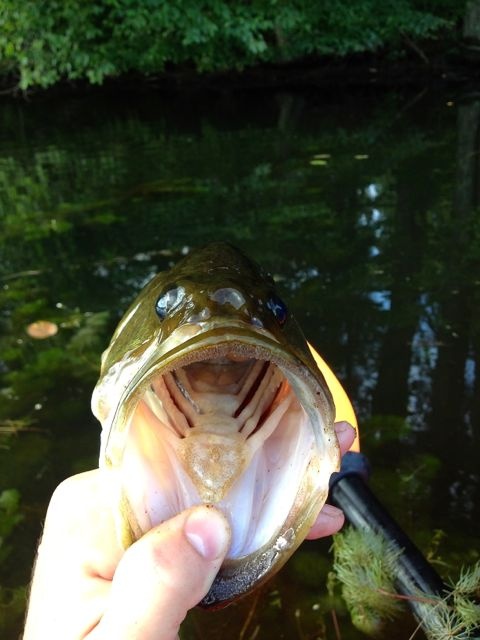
208	394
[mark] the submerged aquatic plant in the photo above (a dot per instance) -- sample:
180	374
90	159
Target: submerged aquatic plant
10	516
364	564
88	339
12	600
457	615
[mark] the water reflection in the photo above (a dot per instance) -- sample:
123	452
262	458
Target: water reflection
363	207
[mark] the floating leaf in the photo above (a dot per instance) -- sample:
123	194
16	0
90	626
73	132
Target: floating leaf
42	329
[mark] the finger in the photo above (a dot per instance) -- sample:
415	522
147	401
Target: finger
329	521
78	548
346	435
163	575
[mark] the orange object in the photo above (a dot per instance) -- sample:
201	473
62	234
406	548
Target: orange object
343	406
42	329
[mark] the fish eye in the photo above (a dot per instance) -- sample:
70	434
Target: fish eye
278	308
168	301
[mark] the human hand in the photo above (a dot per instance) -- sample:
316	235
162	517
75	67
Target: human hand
85	586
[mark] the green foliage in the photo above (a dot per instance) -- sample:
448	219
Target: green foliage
44	42
457	615
12	600
72	356
9	518
12	610
364	564
309	568
89	338
418	472
381	429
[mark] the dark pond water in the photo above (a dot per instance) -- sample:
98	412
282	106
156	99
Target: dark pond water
365	208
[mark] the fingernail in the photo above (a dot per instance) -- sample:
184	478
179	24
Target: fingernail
208	532
331	512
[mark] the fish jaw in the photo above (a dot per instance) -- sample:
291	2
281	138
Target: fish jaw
226	458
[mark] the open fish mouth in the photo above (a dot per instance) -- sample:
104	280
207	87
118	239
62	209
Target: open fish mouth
228	432
239	425
208	394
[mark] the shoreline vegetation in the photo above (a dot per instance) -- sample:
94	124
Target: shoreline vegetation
76	44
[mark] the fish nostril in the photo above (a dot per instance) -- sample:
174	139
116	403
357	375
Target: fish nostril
228	295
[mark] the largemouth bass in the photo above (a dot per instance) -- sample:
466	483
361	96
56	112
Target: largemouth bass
208	393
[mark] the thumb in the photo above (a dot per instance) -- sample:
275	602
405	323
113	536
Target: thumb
163	575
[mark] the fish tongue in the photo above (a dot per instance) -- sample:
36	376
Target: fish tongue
214	462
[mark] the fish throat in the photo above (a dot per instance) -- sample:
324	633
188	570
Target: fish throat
225	427
222	410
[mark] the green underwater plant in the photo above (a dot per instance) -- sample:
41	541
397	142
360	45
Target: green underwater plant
9	518
364	565
457	615
12	600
